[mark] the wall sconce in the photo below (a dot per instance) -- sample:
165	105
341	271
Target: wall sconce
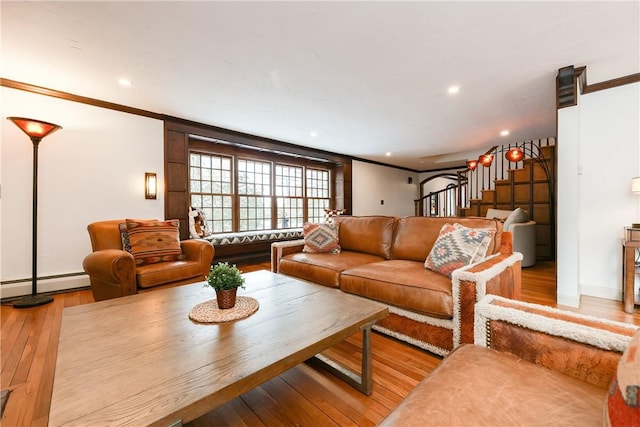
485	160
150	185
635	185
635	189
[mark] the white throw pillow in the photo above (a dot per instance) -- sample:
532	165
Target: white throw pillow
517	216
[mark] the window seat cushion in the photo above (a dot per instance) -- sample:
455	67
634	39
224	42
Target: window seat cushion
243	237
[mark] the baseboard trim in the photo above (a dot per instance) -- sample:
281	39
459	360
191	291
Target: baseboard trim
568	300
602	292
18	289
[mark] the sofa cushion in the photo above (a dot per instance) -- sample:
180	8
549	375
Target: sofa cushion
456	247
156	274
480	386
154	241
321	238
623	403
402	283
324	269
414	236
367	234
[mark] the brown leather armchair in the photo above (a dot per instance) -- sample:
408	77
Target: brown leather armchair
113	272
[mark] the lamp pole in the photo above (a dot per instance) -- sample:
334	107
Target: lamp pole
36	130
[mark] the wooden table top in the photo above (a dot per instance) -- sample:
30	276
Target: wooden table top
139	360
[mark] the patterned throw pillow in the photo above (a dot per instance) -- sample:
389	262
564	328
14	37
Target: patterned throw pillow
623	402
154	241
321	238
124	236
458	246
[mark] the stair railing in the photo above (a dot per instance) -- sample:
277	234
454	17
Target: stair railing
442	202
482	178
471	182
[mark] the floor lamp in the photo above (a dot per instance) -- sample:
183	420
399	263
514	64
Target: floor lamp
36	130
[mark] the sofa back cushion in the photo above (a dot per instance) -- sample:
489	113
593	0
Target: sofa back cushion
366	234
414	236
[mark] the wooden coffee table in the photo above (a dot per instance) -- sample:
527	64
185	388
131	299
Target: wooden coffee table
139	360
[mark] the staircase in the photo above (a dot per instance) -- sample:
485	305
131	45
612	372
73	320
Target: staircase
525	185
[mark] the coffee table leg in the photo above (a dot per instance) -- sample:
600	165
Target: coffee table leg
362	382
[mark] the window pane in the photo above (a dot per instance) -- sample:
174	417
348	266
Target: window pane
210	179
289	212
290	202
317	194
255	213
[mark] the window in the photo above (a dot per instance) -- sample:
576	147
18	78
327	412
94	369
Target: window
240	189
254	189
289	200
211	189
317	194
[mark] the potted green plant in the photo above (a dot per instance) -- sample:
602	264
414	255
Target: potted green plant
225	279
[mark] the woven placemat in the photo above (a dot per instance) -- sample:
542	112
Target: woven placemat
208	311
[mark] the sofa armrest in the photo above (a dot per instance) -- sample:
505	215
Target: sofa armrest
197	250
584	347
280	249
112	273
201	251
500	274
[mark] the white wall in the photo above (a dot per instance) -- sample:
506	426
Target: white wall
372	183
92	169
598	154
567	236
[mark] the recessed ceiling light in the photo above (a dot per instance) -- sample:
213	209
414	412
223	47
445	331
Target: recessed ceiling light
453	89
388	154
504	133
125	82
313	133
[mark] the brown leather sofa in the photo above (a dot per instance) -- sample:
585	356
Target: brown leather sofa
530	366
113	272
382	258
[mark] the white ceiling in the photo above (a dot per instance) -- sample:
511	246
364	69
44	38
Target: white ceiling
368	77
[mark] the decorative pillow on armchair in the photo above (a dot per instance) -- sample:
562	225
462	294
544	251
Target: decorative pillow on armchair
154	241
321	238
458	246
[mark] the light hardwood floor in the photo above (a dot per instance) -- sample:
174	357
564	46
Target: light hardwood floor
301	396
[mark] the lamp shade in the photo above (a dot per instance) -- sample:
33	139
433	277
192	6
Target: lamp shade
514	155
34	128
472	164
485	159
635	185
